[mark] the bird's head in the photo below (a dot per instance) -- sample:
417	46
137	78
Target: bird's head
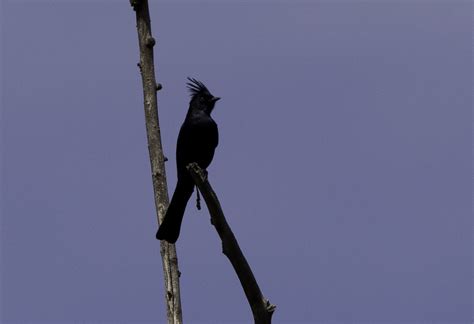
201	98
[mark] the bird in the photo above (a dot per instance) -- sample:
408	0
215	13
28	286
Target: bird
197	141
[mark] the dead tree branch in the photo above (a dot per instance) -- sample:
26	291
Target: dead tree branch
150	87
262	309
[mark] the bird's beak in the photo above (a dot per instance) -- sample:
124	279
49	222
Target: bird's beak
215	99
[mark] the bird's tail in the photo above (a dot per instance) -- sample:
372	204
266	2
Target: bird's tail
171	225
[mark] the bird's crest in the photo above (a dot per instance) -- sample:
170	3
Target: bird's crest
196	87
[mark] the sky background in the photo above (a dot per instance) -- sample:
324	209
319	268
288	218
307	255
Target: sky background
344	162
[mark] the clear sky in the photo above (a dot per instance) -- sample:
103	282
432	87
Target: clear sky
344	163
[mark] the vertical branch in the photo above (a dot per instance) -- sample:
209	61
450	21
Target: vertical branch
262	309
150	87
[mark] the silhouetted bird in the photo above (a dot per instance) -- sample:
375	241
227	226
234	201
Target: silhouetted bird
197	141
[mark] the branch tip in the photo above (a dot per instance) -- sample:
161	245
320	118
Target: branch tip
159	86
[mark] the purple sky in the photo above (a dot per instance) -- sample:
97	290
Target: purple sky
344	165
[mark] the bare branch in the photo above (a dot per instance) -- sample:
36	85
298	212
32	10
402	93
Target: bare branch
150	87
262	309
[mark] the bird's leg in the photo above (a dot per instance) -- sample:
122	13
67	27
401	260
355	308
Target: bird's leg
198	199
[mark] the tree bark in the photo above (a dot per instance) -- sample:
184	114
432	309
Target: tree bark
150	87
262	309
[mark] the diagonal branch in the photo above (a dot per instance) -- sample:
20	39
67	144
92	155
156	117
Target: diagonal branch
262	309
